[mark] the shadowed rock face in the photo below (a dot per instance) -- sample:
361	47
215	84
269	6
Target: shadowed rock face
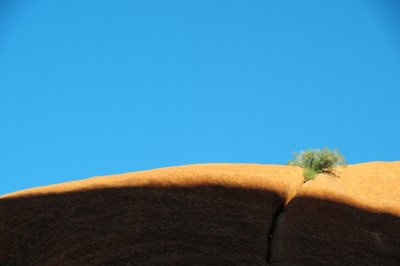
144	226
350	220
319	232
215	214
193	215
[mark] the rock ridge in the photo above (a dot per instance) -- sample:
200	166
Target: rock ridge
208	214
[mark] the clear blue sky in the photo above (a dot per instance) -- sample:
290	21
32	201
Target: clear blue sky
101	87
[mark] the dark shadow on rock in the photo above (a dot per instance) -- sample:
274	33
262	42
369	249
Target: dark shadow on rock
311	231
205	225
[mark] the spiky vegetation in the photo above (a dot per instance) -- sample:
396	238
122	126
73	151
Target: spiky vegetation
315	161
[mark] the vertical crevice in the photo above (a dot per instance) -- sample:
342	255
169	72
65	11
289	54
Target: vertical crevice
271	231
277	218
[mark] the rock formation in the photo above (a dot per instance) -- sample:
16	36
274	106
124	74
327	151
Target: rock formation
212	214
353	219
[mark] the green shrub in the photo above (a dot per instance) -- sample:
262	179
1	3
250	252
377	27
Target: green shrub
317	161
309	174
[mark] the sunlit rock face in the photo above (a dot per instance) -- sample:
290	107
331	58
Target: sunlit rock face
216	214
210	214
351	219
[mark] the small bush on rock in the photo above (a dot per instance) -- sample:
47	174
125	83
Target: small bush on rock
315	161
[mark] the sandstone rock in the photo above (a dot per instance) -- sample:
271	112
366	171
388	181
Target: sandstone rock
214	214
352	219
217	214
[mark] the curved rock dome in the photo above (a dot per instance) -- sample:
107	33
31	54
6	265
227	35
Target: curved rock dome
210	214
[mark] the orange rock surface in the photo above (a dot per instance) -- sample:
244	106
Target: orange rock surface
210	214
216	214
351	219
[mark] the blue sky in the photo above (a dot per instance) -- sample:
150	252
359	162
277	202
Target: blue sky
97	87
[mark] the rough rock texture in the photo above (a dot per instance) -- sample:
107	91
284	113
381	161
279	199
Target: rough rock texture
217	214
353	219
